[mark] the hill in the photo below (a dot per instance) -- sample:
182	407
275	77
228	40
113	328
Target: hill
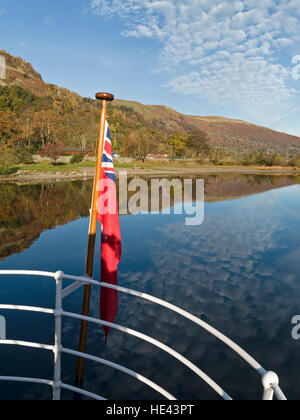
235	136
34	113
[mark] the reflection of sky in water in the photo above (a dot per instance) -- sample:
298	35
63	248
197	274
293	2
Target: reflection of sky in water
239	271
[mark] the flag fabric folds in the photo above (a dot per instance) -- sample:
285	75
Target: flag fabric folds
111	248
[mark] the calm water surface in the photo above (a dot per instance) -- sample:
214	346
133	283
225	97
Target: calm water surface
239	271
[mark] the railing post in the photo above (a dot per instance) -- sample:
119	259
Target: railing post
269	380
58	342
271	386
268	394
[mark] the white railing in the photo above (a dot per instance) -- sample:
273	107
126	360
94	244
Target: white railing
269	379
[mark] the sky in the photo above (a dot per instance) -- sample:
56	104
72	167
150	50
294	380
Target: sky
234	58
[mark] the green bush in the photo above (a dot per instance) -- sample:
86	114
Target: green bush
77	159
216	161
5	170
7	161
295	162
262	159
58	164
277	160
229	162
23	155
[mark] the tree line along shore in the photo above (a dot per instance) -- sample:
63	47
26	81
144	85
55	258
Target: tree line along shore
46	171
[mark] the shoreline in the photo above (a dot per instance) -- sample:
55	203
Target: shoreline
88	173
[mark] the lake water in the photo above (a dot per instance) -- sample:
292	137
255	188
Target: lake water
239	271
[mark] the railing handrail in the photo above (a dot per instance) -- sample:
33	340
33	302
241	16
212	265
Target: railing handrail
217	334
126	330
99	360
58	313
51	384
159	345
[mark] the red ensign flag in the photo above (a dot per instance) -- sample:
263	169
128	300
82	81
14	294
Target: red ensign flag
110	234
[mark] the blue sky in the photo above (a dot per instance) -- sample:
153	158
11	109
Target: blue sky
238	59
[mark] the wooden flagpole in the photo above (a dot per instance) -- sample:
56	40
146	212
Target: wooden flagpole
104	97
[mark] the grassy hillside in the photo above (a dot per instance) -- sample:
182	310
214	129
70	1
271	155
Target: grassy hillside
35	114
235	136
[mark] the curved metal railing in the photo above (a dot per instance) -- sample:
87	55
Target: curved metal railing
269	379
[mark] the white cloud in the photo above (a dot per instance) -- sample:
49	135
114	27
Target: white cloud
236	78
225	51
3	12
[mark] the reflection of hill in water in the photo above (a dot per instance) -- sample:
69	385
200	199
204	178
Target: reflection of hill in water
26	211
226	186
229	187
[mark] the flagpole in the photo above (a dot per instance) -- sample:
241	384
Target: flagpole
104	97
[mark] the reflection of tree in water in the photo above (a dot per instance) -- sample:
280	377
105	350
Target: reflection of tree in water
27	210
254	180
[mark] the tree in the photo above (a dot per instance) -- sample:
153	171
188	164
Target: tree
23	154
7	127
177	143
50	151
216	156
27	126
138	144
7	161
46	126
256	158
198	143
277	160
295	162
